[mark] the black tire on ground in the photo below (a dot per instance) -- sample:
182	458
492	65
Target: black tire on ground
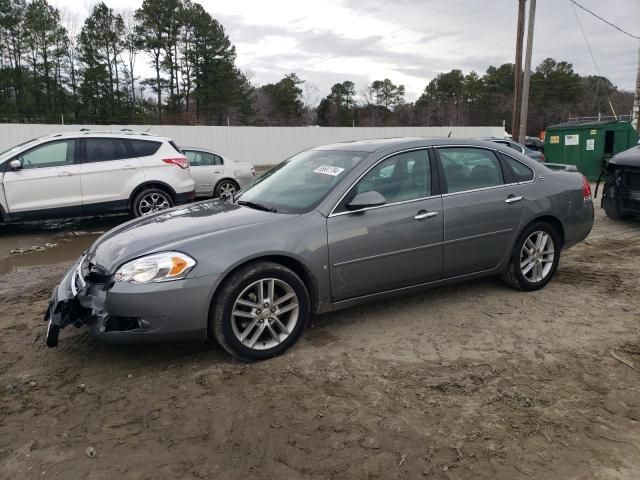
225	186
143	203
513	275
220	312
611	207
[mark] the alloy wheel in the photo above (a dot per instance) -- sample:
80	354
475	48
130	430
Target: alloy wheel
153	202
227	190
537	256
265	313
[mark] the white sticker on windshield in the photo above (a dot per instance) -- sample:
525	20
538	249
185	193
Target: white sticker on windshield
329	170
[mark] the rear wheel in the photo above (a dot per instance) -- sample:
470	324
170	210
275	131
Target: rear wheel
534	259
151	200
260	311
225	189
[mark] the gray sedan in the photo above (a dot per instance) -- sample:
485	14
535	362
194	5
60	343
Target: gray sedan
329	228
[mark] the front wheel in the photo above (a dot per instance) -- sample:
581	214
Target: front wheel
534	259
260	311
151	200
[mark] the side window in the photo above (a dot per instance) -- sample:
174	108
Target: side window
143	148
217	160
208	159
402	177
194	157
468	168
520	171
105	149
53	154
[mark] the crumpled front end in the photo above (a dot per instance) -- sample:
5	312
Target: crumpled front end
79	299
121	312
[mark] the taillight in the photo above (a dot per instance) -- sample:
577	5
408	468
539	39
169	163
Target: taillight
542	159
586	189
182	162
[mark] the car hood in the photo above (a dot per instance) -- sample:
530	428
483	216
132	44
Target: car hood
169	230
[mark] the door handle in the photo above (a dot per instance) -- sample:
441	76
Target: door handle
129	167
422	215
512	199
217	171
65	174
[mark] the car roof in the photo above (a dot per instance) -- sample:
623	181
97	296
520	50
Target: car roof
374	145
106	133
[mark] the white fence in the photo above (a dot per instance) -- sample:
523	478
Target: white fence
258	145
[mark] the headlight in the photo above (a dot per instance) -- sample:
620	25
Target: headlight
157	267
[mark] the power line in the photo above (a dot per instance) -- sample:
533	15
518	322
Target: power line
604	20
586	41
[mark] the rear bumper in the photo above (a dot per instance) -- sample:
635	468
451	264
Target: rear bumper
186	197
133	313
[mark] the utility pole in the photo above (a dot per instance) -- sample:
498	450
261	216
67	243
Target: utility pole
636	102
524	109
515	119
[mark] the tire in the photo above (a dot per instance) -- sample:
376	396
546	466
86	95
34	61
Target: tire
259	328
143	203
522	276
611	207
225	188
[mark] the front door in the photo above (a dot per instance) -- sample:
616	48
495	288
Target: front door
394	245
482	211
47	184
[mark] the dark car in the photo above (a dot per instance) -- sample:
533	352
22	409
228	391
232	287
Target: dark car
621	194
518	147
535	144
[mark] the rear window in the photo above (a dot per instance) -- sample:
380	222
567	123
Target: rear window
105	149
143	148
175	147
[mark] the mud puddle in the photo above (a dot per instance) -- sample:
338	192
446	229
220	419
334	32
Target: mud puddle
49	243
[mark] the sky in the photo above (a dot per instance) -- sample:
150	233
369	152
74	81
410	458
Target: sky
408	41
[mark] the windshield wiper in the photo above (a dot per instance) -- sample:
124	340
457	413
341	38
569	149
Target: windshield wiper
256	205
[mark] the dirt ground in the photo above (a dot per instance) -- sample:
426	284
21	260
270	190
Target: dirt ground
470	381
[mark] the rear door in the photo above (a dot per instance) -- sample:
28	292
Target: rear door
47	184
110	171
483	206
396	245
206	169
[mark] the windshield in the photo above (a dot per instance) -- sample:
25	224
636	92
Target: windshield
300	183
16	147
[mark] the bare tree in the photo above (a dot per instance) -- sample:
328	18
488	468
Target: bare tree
310	100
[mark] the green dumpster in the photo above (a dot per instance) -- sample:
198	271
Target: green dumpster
588	144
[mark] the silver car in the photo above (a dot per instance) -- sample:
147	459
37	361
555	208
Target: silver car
216	175
329	228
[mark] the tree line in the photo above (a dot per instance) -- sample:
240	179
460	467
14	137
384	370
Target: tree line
49	70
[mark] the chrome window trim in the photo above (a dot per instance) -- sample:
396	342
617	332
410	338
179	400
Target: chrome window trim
474	190
381	206
414	149
495	152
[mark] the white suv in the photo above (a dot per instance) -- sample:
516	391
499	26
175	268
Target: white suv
89	173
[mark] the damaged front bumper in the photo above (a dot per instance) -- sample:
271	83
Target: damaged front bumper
124	312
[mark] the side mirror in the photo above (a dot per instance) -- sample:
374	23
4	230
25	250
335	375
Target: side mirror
366	199
15	165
